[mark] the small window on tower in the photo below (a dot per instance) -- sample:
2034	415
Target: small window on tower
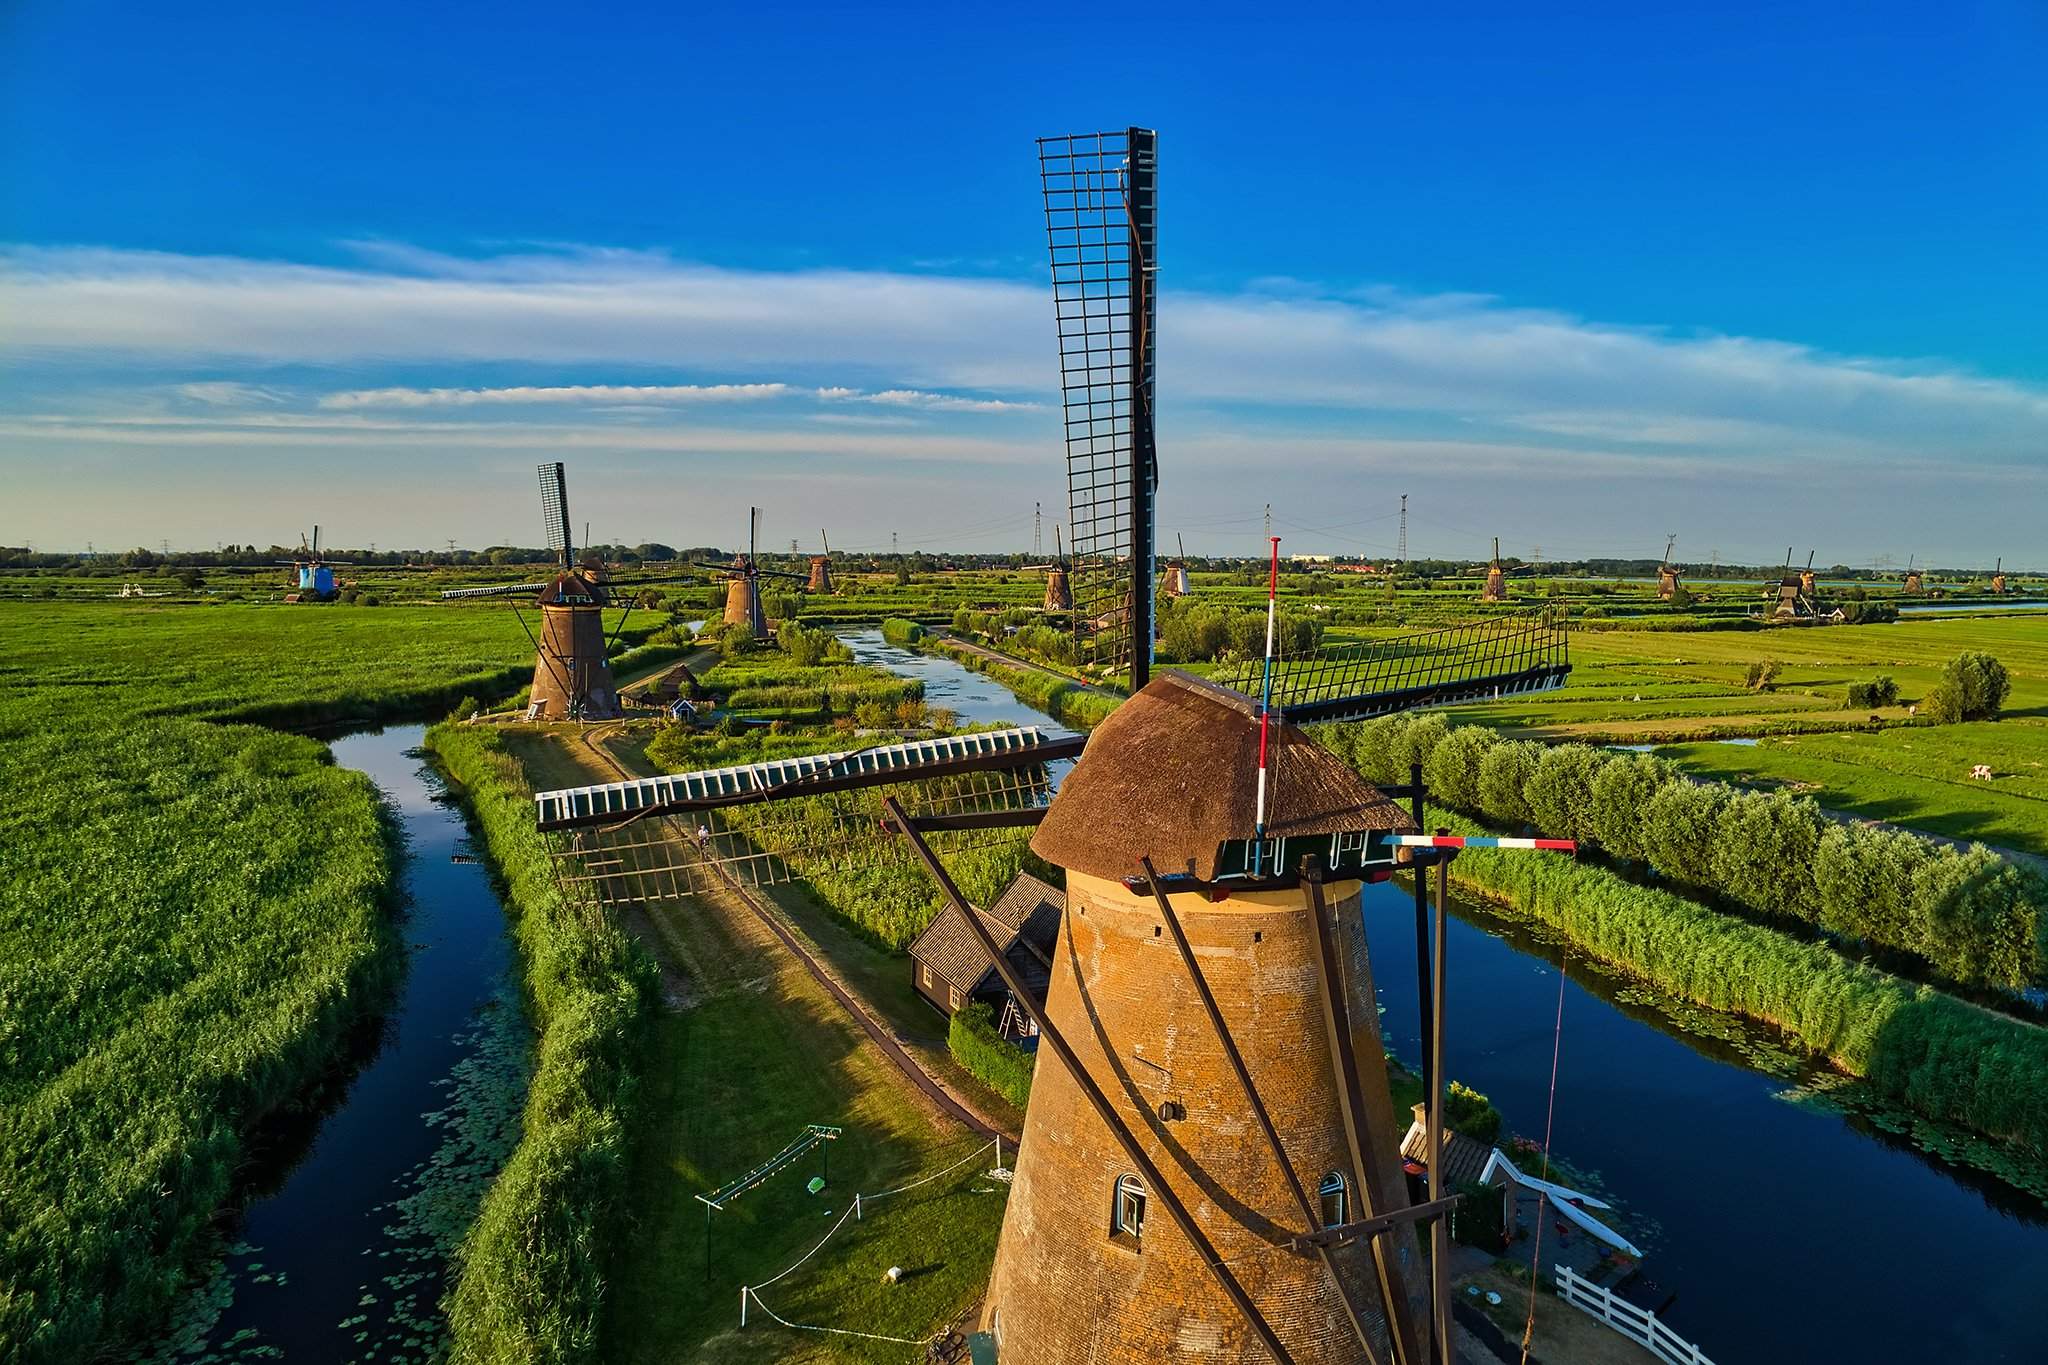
1336	1200
1128	1216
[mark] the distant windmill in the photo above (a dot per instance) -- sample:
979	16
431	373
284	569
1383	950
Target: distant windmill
1794	601
743	587
1496	589
821	568
1667	572
1058	595
315	575
572	677
1998	578
1177	570
1912	575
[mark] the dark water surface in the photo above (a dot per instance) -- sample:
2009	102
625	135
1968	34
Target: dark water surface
340	1253
1790	1229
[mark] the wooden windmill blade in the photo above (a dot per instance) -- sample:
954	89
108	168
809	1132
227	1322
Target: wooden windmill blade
672	837
1499	656
1101	202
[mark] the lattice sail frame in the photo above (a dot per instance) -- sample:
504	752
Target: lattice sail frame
668	858
1101	221
1503	655
554	510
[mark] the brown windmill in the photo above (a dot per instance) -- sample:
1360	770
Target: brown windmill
1998	578
743	581
1912	577
1059	594
1667	572
1496	589
1177	571
820	580
572	675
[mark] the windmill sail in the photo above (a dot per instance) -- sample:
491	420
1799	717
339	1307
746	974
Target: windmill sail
1496	657
1101	203
554	506
673	837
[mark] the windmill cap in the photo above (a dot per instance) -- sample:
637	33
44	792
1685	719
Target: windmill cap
1173	774
571	587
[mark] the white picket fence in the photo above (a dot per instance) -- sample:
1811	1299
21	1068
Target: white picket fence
1639	1325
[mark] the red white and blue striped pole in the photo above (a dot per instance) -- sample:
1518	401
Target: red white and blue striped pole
1266	710
1478	841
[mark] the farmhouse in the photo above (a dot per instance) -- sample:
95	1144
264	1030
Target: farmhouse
949	969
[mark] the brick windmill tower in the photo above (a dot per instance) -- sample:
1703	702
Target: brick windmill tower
1059	592
1998	578
572	675
1667	573
820	580
1177	572
1496	589
743	581
1913	578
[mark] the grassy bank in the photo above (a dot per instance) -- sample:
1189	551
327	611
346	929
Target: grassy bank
1924	1050
530	1282
1070	703
194	918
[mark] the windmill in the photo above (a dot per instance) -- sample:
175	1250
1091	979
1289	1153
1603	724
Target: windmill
1177	570
1793	598
314	575
1059	596
1667	572
820	580
1998	578
1166	1048
743	581
1807	582
1912	576
572	676
1496	589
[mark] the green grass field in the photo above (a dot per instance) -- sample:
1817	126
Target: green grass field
194	915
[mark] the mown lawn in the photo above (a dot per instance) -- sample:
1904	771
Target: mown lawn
1918	776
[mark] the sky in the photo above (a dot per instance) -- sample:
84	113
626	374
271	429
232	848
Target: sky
1581	276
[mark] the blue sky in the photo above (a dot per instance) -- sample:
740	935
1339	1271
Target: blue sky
1757	275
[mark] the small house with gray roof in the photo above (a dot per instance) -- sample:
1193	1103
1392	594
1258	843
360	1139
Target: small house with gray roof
949	968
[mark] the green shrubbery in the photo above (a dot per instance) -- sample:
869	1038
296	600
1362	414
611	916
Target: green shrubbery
529	1282
1882	691
1001	1065
898	631
1471	1113
1916	1045
1970	915
1193	631
1973	687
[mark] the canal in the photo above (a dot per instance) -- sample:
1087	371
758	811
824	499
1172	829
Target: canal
341	1250
1789	1228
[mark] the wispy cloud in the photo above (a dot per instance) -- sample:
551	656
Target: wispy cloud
940	344
553	393
229	393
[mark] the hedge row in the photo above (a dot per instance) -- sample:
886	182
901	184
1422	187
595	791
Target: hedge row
529	1280
1969	915
1001	1065
1915	1045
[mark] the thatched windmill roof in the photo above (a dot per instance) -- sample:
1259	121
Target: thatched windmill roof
1173	774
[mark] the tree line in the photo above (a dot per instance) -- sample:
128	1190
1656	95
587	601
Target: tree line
1969	915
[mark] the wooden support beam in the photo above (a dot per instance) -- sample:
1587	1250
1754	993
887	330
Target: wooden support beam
1405	1331
1345	1232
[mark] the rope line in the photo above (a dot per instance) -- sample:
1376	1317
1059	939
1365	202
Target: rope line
1542	1196
748	1291
808	1254
971	1156
836	1331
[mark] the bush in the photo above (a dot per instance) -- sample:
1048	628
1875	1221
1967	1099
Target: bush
1471	1113
1974	686
898	631
1479	1219
1000	1065
1761	675
1882	691
1504	777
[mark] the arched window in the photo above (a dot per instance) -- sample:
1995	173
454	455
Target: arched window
1127	1216
1336	1198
